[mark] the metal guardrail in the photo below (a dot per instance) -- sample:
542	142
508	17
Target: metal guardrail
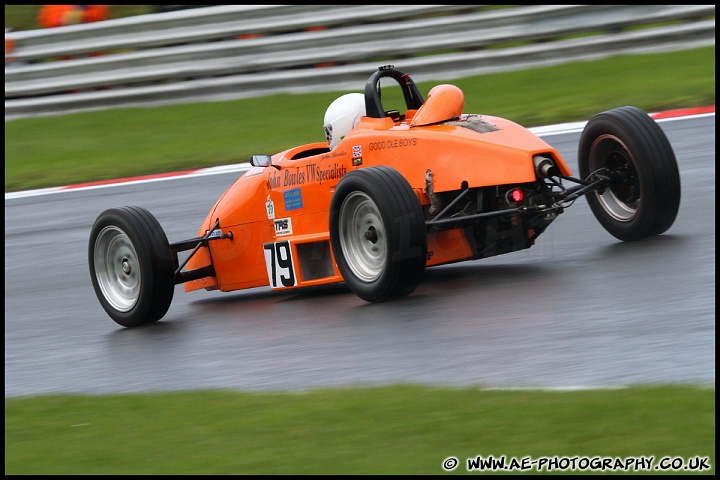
230	51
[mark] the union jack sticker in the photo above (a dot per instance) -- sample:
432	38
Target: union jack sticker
357	151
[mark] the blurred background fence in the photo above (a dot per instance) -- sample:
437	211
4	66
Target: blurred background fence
238	51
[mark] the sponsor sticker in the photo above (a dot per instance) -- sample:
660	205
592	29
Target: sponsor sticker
283	226
293	199
270	207
252	171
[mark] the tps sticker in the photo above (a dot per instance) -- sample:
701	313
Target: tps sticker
293	199
283	226
279	264
270	207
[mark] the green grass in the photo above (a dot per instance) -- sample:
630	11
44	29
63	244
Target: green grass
383	430
81	147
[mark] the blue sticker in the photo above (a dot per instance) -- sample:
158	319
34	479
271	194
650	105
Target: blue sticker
293	199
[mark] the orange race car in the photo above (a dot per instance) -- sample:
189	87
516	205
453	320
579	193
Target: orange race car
391	192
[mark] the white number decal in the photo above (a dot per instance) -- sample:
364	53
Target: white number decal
279	263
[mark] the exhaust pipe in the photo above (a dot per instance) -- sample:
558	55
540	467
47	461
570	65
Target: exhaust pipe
545	167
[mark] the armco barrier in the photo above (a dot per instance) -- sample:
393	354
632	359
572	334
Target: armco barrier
232	51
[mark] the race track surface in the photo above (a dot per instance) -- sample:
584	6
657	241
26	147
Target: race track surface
579	309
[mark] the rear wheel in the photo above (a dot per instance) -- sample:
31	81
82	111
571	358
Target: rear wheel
377	231
643	197
131	266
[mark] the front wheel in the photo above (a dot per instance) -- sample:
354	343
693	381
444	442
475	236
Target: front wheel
131	266
643	196
377	232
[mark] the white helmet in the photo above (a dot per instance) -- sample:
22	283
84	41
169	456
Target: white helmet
343	115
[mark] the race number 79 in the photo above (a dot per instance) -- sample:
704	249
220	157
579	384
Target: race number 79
279	263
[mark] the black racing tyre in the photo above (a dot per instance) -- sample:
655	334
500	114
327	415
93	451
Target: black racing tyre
643	197
377	232
131	266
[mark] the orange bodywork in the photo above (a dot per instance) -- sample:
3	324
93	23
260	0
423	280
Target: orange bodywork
278	215
444	102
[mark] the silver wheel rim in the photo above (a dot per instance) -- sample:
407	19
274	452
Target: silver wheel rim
362	236
117	268
621	201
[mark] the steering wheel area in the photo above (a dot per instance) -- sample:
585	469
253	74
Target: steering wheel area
373	104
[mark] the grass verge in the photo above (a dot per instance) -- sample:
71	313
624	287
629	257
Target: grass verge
82	147
381	430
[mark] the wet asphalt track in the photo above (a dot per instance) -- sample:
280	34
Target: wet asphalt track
579	309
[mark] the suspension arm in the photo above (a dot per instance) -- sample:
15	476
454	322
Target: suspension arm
195	244
577	192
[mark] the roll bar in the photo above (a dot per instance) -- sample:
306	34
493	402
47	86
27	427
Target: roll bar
373	105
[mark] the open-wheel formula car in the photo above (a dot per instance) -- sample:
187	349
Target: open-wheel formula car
390	193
